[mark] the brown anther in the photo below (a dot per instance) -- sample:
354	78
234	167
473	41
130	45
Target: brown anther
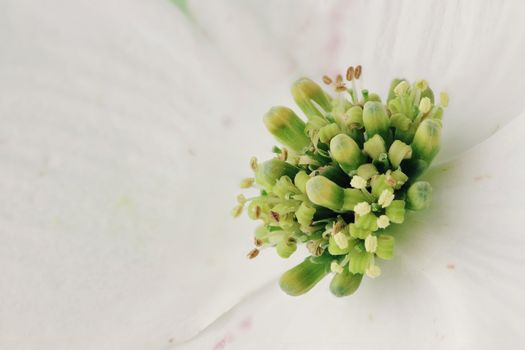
257	212
339	84
284	154
357	72
338	79
275	215
327	80
253	163
350	73
257	242
252	253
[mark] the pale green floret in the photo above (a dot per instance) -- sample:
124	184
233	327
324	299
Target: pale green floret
398	152
335	249
300	180
326	133
358	232
367	222
305	214
345	283
396	211
286	127
354	117
305	276
366	171
309	97
359	261
375	120
345	151
285	248
374	147
400	121
427	140
385	247
418	195
379	184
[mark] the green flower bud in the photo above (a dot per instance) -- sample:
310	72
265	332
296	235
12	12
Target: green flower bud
367	222
326	133
400	178
418	195
359	261
391	91
376	120
396	211
285	248
305	214
354	117
346	152
345	283
325	193
426	141
272	170
374	147
428	93
366	171
385	247
357	232
336	174
374	98
400	121
284	187
300	180
305	276
286	127
398	152
381	183
305	92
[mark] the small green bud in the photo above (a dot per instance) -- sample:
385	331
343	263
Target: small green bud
357	232
285	248
401	88
354	117
305	92
391	92
385	247
345	283
367	222
398	152
272	170
305	276
359	261
396	211
300	180
366	171
374	98
381	183
376	120
374	147
400	178
327	132
325	193
400	121
346	152
426	141
286	127
418	195
425	105
305	214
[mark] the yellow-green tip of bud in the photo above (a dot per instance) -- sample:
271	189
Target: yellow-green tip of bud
309	96
286	127
304	276
419	195
385	247
325	193
425	105
272	170
374	147
426	141
346	152
285	248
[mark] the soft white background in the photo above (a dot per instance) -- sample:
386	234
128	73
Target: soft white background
125	127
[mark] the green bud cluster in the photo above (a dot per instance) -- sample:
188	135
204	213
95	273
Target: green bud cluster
342	177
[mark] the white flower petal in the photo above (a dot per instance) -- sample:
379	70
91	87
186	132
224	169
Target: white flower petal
457	279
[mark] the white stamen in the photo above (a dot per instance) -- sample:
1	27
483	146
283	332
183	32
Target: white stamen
371	244
383	221
362	208
335	267
373	271
341	240
358	182
425	105
385	198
